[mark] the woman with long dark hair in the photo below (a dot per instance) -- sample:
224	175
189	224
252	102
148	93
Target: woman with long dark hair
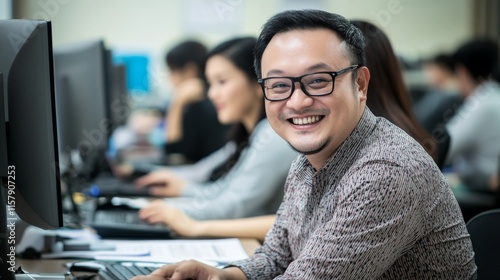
388	95
250	181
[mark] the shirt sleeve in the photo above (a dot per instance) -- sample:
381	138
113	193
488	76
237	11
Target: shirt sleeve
373	224
200	171
254	183
267	261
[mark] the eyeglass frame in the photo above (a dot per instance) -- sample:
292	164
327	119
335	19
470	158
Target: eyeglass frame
299	78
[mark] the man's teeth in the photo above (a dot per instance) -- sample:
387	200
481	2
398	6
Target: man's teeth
308	120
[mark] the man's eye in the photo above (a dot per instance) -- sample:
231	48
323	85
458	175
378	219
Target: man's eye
279	85
318	81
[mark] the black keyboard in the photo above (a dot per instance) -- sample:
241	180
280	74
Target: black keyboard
125	223
110	187
117	217
126	270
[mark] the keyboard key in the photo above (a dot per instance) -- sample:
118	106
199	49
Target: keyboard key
120	271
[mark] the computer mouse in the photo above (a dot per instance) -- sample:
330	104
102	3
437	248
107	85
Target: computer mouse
86	266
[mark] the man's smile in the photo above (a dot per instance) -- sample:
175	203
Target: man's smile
305	120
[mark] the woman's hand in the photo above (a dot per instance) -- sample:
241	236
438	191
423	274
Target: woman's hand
162	182
160	212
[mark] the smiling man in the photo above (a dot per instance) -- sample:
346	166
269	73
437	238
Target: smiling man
364	200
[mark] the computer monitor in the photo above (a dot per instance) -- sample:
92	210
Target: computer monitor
81	76
118	103
3	138
28	128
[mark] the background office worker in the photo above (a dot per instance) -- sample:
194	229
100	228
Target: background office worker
364	200
191	125
439	102
475	130
387	95
250	182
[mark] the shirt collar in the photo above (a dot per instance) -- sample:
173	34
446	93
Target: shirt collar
347	152
485	88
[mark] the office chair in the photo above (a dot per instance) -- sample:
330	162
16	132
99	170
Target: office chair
435	108
473	202
484	230
498	181
443	145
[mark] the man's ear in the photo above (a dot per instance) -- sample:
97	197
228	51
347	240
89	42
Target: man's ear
257	89
362	82
461	72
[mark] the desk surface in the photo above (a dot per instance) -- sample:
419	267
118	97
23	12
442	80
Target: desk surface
57	266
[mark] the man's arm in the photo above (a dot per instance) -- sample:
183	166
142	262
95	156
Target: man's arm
369	229
273	257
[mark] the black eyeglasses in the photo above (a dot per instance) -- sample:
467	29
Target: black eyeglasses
313	84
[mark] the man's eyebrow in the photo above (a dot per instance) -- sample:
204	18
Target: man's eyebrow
320	66
274	72
316	67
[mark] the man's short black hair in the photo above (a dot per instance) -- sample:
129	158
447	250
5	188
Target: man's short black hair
444	60
311	19
186	52
479	57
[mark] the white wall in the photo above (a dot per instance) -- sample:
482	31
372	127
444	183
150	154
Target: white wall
5	9
417	28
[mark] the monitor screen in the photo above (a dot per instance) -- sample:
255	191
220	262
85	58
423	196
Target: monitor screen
118	103
31	188
30	119
3	138
81	87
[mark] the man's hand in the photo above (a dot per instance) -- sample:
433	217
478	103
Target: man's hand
193	270
190	91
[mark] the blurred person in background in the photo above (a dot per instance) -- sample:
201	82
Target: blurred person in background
250	182
189	129
439	72
475	129
388	95
192	129
441	100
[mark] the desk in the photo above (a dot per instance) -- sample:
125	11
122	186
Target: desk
57	266
471	201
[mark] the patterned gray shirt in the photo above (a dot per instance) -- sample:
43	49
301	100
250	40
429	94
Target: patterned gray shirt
378	209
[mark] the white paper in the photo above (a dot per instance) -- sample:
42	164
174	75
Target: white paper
211	251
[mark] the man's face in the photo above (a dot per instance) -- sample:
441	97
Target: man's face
466	84
314	126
